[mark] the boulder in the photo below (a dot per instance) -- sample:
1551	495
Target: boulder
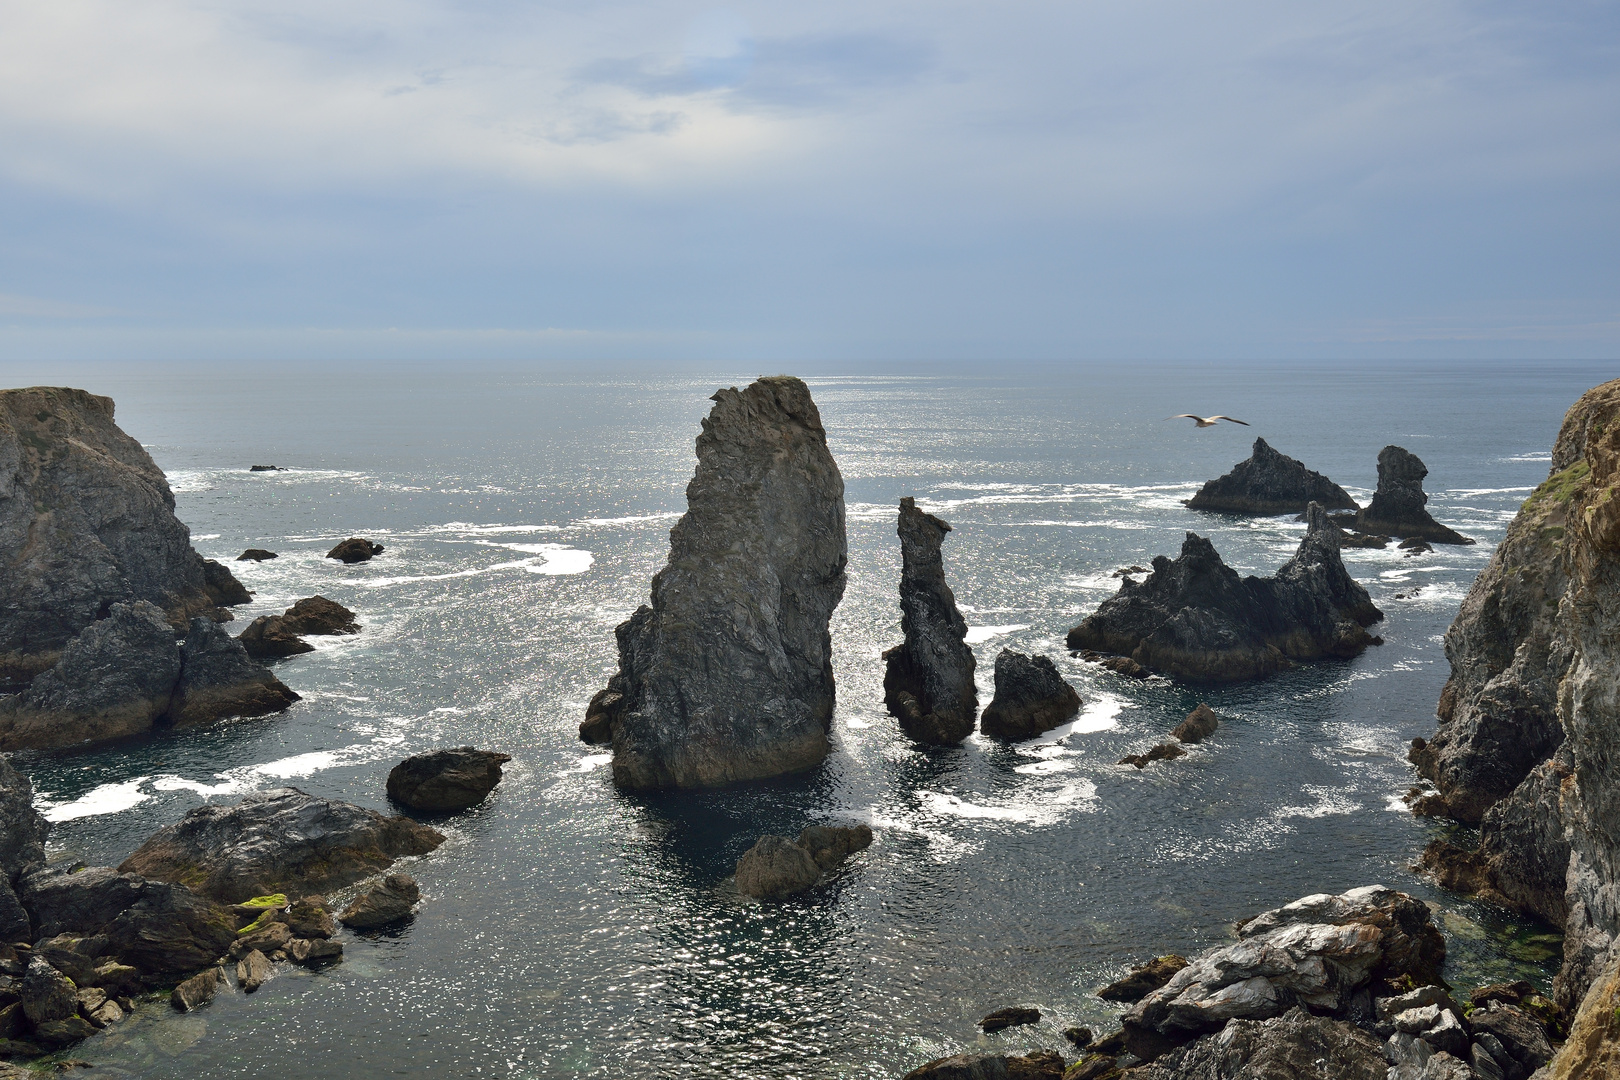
1270	483
928	679
1520	1034
222	587
962	1067
86	521
310	918
1143	980
1013	1016
315	952
267	939
776	868
1194	618
1119	665
169	932
597	727
1031	697
390	900
195	992
1290	1046
281	840
446	779
219	679
253	971
1398	506
47	994
727	675
354	550
77	899
256	555
1199	725
1079	1037
318	615
270	637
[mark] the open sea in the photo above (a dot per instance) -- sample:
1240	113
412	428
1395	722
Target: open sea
569	930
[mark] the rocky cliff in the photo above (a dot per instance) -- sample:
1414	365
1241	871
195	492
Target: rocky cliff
727	675
1529	735
1194	618
928	678
86	521
1270	483
1398	506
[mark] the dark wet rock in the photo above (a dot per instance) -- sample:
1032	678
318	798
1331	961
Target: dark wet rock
47	994
962	1067
1093	1067
318	615
1035	1065
446	779
727	676
113	680
1119	665
221	585
1415	546
195	992
1363	540
1398	506
1292	1046
1143	980
22	828
14	923
77	899
604	708
1199	725
266	468
388	901
56	1034
253	971
1270	483
354	550
59	952
315	952
86	521
256	555
776	868
1520	1034
928	679
1127	571
1162	752
1013	1016
310	918
120	980
1195	618
219	679
1031	697
169	932
1504	993
269	637
1079	1037
281	840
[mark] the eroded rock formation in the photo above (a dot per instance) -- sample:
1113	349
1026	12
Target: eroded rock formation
1398	506
1031	697
86	521
354	549
1194	618
727	675
446	779
928	679
1270	483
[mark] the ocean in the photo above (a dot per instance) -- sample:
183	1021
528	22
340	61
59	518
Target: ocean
570	930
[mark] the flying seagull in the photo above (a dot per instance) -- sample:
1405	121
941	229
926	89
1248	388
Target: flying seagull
1205	421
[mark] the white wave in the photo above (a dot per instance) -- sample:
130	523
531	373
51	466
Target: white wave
1099	714
469	529
1109	523
1469	493
1045	767
1328	801
553	559
588	763
208	536
979	634
637	520
106	799
1539	455
1034	809
184	481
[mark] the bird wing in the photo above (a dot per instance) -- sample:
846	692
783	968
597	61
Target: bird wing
1188	415
1245	423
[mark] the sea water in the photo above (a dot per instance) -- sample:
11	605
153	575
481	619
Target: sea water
568	929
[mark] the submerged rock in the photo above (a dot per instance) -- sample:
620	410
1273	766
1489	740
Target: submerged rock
86	521
388	901
1194	618
219	679
727	676
354	549
928	679
1013	1016
1270	483
446	779
1398	506
1162	752
280	840
1031	697
776	868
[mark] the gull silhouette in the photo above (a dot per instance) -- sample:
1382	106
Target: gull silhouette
1205	421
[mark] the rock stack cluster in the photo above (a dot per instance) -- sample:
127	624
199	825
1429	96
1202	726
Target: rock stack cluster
928	678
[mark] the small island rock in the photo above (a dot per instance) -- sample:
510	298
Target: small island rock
1398	506
1199	725
928	679
1031	697
776	868
354	550
446	779
270	636
1012	1016
389	901
1270	483
256	555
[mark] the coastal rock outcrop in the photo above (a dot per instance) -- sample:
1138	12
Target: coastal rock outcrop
446	779
1398	506
278	841
354	549
776	868
1031	697
86	521
1270	483
1194	618
1292	1046
219	679
388	901
272	636
727	675
928	679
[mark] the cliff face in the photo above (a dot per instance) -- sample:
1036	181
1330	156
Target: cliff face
1270	483
86	521
928	679
727	675
1529	735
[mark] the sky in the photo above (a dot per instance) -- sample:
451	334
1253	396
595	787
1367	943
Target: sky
884	180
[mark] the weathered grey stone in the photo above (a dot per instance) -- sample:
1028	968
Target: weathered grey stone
1397	507
195	992
278	841
390	900
928	679
1194	618
1291	1046
219	679
1520	1034
253	971
77	899
22	828
1031	697
776	868
446	779
1270	483
86	521
47	994
1447	1035
1390	1007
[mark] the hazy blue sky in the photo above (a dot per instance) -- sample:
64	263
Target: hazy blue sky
650	179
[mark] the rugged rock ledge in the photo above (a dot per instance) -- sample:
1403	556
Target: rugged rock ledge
727	676
928	678
86	521
1397	507
1270	483
1194	618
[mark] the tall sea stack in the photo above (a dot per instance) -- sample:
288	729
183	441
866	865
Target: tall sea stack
1529	737
928	680
727	676
1397	507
